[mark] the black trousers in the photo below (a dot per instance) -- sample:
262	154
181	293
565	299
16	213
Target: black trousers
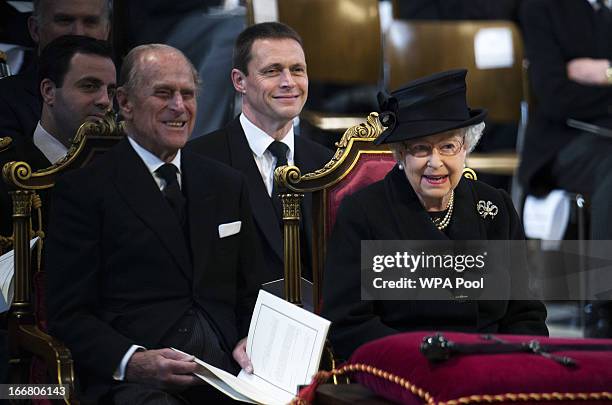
192	334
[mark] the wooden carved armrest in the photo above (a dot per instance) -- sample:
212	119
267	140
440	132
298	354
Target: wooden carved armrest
55	354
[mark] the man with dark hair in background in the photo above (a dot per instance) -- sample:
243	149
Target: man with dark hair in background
77	81
270	74
152	248
20	99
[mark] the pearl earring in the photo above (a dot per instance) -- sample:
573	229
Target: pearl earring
400	165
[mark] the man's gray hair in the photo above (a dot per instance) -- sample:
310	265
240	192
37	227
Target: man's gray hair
129	77
38	6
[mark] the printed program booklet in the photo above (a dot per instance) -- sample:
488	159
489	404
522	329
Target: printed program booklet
285	344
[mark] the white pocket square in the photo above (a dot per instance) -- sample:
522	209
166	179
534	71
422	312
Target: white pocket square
229	229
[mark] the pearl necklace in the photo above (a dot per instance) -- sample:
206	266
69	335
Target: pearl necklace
441	224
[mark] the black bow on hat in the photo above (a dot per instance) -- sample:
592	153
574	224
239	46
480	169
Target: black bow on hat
427	106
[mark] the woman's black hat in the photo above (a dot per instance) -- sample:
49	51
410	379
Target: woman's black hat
427	106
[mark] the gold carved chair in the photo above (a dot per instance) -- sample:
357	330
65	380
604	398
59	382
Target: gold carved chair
414	49
356	164
34	355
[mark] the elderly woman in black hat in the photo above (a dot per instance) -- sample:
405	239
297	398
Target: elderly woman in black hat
424	197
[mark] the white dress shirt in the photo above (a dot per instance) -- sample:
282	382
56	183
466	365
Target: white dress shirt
258	142
53	149
153	163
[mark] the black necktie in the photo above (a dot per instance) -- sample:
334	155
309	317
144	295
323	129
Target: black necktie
172	191
279	151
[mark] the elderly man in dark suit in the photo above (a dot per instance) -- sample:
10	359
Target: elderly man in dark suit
20	100
151	248
270	74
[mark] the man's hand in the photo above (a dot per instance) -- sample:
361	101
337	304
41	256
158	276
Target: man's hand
164	367
588	71
241	357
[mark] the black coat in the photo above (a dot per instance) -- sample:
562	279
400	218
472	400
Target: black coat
230	146
390	210
557	31
20	104
120	271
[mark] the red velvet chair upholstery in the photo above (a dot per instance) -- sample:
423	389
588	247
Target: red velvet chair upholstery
369	168
34	355
356	163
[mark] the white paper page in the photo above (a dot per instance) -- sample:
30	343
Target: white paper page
221	385
7	273
285	344
239	387
493	48
260	385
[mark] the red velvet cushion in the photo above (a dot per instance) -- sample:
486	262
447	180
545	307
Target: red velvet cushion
370	168
464	376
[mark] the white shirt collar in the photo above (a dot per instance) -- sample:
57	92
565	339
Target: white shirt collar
49	145
259	141
153	162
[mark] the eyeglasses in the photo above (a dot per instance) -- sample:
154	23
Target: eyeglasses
448	147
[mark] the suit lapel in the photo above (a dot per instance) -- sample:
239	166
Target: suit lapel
200	214
138	188
241	158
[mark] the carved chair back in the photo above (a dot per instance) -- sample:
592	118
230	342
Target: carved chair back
356	163
29	344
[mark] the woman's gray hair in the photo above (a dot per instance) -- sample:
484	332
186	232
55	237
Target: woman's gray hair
471	136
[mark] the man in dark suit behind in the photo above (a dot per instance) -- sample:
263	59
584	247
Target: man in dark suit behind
20	100
270	74
569	46
151	248
569	49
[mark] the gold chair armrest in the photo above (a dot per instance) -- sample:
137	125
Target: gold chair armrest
55	354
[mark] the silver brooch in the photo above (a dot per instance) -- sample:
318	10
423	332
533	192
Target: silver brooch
486	208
